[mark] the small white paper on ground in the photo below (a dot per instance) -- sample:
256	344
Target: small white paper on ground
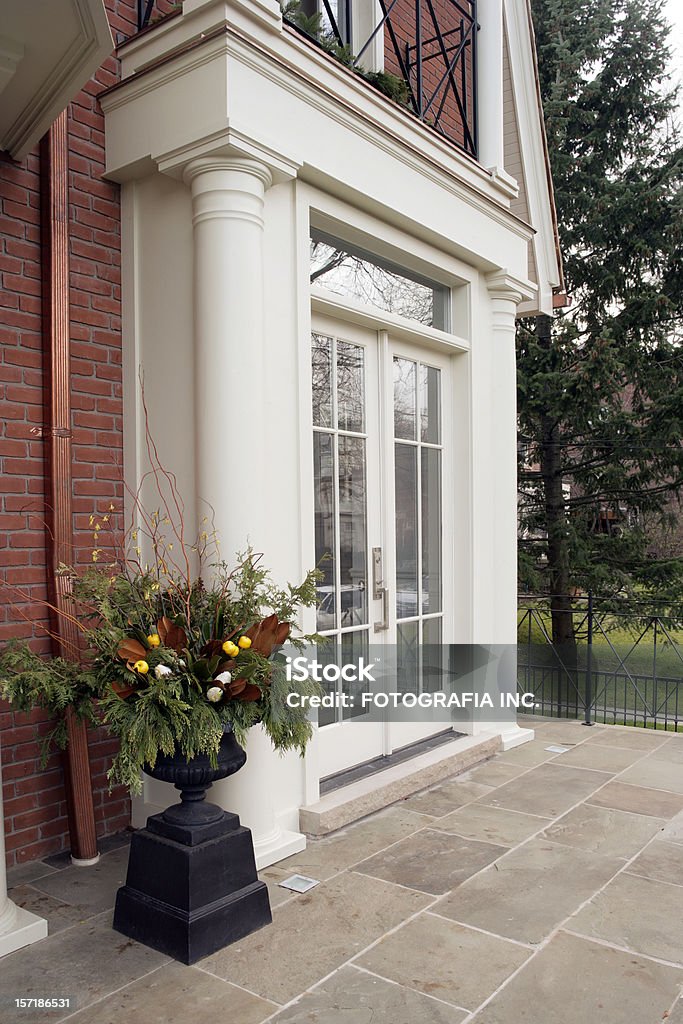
558	750
299	883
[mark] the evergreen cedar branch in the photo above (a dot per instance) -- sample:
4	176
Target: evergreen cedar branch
600	386
154	650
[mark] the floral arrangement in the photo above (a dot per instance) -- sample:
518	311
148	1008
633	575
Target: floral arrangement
169	664
172	650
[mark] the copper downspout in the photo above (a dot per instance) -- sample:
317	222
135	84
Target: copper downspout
54	185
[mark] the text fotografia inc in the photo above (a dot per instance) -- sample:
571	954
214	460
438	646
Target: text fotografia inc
395	700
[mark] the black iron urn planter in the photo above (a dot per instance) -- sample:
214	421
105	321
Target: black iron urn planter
192	886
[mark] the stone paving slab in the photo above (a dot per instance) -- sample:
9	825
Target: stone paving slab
633	739
604	830
26	873
574	981
83	963
325	857
548	790
638	799
491	824
445	959
494	773
58	915
431	861
314	934
655	774
671	751
176	994
600	757
91	889
641	914
529	892
353	996
673	830
528	754
661	860
446	797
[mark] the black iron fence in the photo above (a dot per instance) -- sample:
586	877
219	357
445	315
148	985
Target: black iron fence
621	669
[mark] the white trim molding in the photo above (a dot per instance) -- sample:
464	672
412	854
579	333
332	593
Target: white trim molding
35	89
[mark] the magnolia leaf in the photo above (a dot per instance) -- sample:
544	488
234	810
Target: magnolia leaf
171	636
250	693
130	650
122	690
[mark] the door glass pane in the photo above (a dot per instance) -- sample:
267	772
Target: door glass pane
328	654
321	377
405	394
352	531
432	656
355	646
431	530
325	520
430	402
408	667
406	531
350	387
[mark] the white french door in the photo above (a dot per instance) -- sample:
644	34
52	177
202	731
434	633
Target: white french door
381	420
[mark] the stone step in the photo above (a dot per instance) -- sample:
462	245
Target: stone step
349	803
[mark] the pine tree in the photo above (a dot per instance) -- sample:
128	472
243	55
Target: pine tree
600	384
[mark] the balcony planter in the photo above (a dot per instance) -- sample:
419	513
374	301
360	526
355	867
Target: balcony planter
192	886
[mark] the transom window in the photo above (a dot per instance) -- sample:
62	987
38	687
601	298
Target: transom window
354	273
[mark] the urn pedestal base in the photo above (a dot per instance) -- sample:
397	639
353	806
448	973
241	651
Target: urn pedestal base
191	889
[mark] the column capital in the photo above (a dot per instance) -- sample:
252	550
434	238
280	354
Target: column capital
228	145
505	286
215	169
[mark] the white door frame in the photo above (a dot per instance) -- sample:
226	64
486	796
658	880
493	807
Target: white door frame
331	316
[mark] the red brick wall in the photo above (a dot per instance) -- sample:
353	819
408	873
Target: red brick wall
448	17
35	811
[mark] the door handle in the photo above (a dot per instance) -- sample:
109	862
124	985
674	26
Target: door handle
379	591
384	623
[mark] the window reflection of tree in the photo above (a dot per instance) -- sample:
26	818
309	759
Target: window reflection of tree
347	274
348	465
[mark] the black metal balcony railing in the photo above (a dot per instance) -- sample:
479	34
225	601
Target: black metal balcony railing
430	45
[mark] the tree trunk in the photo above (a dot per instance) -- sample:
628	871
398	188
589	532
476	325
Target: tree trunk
562	618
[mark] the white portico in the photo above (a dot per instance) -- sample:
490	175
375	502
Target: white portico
313	415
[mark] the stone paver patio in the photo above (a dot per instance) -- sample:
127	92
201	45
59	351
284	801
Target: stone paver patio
537	888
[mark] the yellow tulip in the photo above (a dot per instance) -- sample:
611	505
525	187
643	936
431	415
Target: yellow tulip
231	649
153	640
244	642
142	667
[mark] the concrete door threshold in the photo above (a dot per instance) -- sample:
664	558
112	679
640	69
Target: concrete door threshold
349	803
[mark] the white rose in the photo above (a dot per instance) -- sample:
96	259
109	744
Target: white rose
225	678
214	694
162	670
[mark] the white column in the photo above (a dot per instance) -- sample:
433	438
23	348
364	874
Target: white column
505	294
231	428
18	927
490	84
236	440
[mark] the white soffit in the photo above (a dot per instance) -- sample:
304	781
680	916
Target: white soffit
49	49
